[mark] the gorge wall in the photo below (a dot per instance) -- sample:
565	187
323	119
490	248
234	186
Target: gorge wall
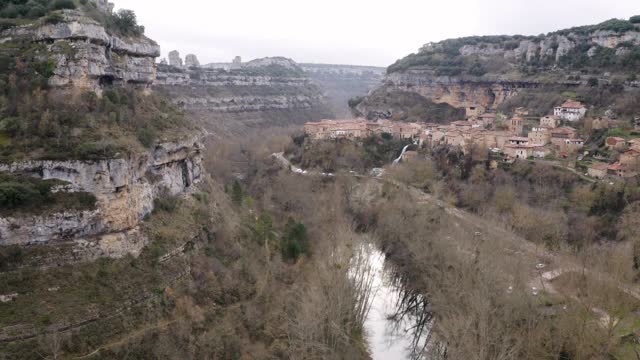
82	56
341	83
489	70
235	99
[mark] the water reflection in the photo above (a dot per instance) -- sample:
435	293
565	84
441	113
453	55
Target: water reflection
399	322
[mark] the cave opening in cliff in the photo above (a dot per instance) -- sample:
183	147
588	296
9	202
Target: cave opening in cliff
106	80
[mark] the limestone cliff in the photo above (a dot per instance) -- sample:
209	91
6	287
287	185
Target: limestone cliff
125	190
85	54
488	70
90	81
262	92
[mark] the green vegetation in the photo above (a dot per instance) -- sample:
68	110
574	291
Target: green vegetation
444	58
295	241
24	194
124	22
635	19
236	193
32	9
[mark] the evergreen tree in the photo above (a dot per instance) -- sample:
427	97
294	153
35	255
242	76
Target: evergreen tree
236	193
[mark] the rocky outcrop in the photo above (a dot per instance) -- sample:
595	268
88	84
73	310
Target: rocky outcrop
125	190
487	70
85	55
232	99
191	61
174	59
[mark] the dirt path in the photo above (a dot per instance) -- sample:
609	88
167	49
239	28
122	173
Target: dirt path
130	336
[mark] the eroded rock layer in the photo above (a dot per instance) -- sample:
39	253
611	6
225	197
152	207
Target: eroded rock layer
125	190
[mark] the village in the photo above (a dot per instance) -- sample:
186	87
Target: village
559	137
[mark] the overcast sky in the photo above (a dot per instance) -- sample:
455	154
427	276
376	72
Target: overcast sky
360	32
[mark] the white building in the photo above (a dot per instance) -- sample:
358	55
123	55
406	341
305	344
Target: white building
570	111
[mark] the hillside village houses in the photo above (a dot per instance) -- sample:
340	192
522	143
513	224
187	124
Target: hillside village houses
570	111
479	129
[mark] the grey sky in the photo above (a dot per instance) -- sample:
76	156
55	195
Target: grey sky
362	32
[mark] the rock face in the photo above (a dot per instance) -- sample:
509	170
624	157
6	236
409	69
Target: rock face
175	59
125	190
488	70
260	92
86	55
191	61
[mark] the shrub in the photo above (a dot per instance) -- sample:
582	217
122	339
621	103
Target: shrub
635	19
166	203
295	241
126	22
14	194
146	136
62	4
236	193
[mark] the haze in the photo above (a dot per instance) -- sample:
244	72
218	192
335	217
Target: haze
354	31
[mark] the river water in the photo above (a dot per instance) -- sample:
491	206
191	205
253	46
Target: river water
389	339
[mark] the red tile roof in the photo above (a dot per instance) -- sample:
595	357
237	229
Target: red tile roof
600	166
570	104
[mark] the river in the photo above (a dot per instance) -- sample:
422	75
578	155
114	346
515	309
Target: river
388	338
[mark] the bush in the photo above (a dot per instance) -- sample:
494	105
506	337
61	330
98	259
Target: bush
635	19
295	241
126	23
166	203
62	4
14	195
146	136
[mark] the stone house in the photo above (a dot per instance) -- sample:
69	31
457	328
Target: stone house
462	125
516	140
621	170
616	143
336	129
550	121
598	170
631	158
634	144
540	135
516	125
519	151
473	111
487	119
570	111
541	152
599	123
559	136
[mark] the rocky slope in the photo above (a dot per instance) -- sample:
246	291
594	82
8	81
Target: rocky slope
488	70
262	92
77	57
